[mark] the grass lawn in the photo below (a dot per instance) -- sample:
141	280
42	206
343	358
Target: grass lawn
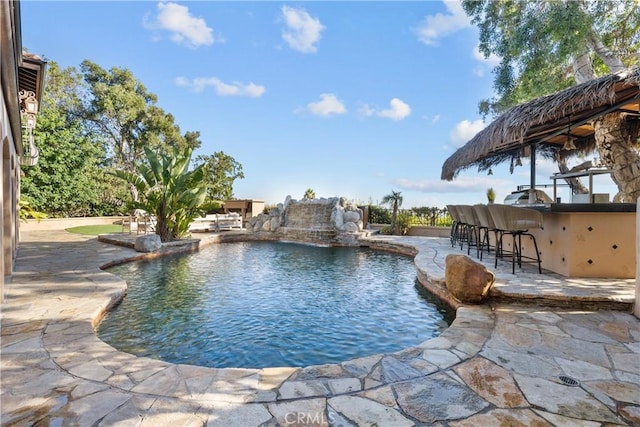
94	230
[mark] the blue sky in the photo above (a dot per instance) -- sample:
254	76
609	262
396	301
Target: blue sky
352	99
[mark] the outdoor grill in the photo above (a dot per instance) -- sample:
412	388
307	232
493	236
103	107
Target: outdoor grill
521	197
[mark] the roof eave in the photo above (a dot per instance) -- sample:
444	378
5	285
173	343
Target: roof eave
553	115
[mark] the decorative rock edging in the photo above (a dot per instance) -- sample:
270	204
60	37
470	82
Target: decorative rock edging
551	290
487	367
66	342
327	221
463	339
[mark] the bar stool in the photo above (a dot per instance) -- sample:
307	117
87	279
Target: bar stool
486	226
472	227
517	222
455	227
463	228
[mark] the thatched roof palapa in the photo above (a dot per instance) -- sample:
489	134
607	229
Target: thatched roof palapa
548	121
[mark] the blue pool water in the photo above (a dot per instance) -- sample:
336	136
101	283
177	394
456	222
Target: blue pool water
262	304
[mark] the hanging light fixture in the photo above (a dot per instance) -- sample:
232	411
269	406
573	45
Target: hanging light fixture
28	108
490	172
518	161
569	145
28	112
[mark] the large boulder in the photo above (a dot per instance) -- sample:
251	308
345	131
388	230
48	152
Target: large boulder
148	243
350	227
351	216
466	279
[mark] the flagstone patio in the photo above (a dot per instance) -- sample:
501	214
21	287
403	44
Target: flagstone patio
535	354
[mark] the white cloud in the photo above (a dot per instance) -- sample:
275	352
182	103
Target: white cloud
440	25
182	82
303	31
462	184
397	110
492	60
479	71
329	104
464	131
366	111
199	84
184	28
485	63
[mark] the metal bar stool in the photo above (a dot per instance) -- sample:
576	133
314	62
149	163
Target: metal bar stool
457	224
517	222
472	224
463	229
486	226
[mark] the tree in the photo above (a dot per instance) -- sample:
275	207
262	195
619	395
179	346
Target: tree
491	195
67	180
395	201
430	214
124	115
547	46
378	215
309	194
25	211
220	172
168	190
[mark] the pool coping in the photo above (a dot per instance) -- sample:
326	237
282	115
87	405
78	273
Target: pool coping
60	339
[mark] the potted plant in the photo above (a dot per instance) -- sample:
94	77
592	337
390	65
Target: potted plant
491	195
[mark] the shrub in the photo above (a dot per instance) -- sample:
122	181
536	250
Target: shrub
168	190
267	208
212	207
379	215
403	222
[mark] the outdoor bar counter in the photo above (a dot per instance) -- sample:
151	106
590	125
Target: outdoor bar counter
596	240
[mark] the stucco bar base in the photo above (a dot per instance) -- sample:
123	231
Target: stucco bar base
586	244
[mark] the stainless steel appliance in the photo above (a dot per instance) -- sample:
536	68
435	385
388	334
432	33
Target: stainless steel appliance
521	197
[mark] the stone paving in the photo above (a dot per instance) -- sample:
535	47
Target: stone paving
498	364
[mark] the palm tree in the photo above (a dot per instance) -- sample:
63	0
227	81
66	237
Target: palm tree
395	201
309	194
168	190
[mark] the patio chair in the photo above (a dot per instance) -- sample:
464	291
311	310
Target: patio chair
140	221
146	223
127	222
516	222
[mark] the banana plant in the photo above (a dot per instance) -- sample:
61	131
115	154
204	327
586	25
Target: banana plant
168	190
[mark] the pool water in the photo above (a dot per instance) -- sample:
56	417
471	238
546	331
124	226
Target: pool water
266	304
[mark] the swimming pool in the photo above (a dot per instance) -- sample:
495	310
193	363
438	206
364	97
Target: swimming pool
264	304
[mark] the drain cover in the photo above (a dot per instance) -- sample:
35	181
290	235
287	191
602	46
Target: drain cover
568	381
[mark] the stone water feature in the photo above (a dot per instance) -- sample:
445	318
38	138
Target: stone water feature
332	221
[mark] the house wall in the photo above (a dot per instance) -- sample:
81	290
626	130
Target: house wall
10	171
246	208
10	52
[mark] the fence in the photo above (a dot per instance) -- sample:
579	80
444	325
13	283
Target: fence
434	217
